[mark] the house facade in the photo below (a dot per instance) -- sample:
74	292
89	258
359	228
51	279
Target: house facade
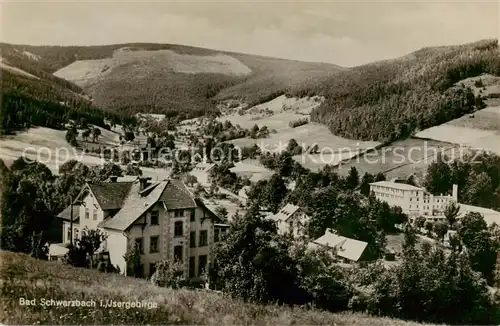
162	218
414	201
291	219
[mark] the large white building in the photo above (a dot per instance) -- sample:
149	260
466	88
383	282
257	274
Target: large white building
161	217
414	201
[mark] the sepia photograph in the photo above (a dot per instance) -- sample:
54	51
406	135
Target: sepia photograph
244	162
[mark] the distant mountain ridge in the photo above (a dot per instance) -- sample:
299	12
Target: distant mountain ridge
162	78
380	101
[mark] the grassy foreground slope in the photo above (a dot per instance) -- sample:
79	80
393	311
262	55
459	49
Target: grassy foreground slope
22	276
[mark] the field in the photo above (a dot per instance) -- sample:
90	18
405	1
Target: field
480	130
400	159
49	146
25	277
281	111
85	73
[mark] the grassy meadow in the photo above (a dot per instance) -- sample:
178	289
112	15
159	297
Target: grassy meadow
22	276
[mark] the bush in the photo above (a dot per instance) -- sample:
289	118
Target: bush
298	122
169	274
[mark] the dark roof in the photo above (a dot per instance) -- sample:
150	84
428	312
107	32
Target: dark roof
110	195
176	196
66	213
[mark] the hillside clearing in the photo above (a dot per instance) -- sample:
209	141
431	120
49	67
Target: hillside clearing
480	130
49	146
22	276
280	112
399	159
87	72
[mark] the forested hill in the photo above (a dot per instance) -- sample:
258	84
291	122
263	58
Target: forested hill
31	96
392	99
163	78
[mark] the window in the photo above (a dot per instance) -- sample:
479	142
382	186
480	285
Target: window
87	213
138	243
202	264
192	217
192	239
153	244
76	234
68	236
191	267
178	229
178	253
154	218
179	213
217	235
94	214
152	269
203	238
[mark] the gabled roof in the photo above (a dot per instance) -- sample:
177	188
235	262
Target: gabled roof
176	196
345	247
66	213
172	193
285	213
133	207
395	185
205	166
110	195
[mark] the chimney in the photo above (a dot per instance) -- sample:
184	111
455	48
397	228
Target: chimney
113	178
455	193
144	182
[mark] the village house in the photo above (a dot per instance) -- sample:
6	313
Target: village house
162	218
291	219
350	250
202	173
414	201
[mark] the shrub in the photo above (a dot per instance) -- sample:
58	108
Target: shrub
298	122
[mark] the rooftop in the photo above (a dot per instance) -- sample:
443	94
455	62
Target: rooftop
110	195
348	248
395	185
285	213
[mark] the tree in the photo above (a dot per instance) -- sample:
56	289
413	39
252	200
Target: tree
133	170
190	179
451	213
438	179
129	136
221	212
133	259
420	222
441	228
429	226
352	179
96	132
169	274
86	134
293	147
480	244
82	252
71	135
365	183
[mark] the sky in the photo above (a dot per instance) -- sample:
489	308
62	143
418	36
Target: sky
343	33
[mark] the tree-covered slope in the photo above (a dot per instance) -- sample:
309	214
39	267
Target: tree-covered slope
163	78
392	99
